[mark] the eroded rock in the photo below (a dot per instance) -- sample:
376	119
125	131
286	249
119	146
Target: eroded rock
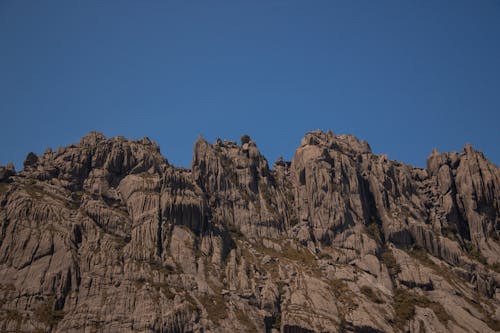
106	236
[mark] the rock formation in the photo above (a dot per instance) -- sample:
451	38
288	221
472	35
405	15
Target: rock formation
107	236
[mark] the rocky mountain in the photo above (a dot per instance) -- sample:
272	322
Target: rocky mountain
107	236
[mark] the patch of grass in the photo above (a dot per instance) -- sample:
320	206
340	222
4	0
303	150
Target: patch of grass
215	307
440	312
235	232
405	211
476	302
37	192
294	221
163	269
289	196
46	314
475	254
4	187
7	287
147	175
120	242
346	300
449	230
339	287
245	138
217	148
277	322
324	256
191	303
422	256
404	303
228	167
372	295
76	200
269	200
302	255
391	263
8	315
404	307
34	191
245	321
281	287
495	267
138	283
373	231
492	323
11	315
164	289
299	254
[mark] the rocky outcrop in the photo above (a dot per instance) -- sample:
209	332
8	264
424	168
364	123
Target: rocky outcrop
240	189
7	171
106	236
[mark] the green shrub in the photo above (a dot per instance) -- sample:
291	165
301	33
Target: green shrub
245	138
11	315
215	307
269	200
164	288
374	231
235	231
440	312
493	324
46	314
339	287
277	322
391	263
324	256
421	255
474	253
372	295
34	191
245	320
302	255
404	307
3	188
139	283
495	267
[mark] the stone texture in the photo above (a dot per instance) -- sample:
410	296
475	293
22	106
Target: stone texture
106	236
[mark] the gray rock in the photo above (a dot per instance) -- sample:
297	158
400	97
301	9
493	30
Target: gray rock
106	236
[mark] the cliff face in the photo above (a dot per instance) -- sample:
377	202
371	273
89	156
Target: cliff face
107	236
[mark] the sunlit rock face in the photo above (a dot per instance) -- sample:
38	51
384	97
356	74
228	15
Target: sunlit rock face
107	236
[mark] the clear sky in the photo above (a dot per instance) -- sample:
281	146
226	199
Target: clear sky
407	76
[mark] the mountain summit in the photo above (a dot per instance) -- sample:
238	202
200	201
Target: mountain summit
107	236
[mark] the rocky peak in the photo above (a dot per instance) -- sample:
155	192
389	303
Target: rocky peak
237	178
347	144
239	164
105	235
92	139
114	158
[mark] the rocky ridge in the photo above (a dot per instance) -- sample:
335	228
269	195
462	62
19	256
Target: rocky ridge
107	236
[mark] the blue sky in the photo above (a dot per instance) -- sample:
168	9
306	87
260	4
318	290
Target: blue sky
408	76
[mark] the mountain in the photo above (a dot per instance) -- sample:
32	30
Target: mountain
107	236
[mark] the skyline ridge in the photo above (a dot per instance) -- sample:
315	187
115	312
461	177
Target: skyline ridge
169	159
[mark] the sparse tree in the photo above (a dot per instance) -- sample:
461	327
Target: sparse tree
245	139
